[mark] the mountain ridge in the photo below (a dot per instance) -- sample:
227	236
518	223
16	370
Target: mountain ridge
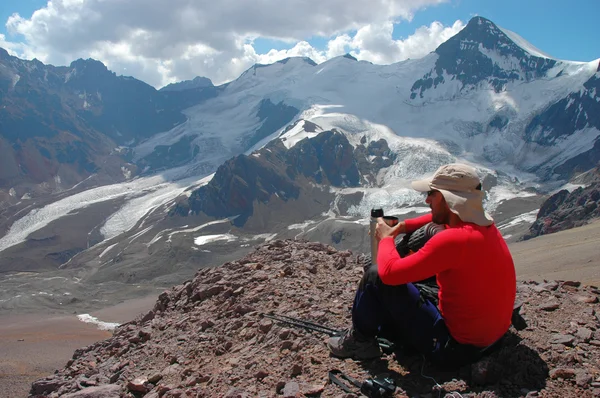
156	175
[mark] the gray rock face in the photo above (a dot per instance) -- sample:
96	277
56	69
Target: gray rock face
197	82
326	159
72	118
219	344
573	113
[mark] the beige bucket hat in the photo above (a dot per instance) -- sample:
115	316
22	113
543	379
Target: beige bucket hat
461	187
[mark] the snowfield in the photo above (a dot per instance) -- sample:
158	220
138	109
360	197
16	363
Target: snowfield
363	101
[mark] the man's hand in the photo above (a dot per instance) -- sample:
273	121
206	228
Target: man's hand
382	230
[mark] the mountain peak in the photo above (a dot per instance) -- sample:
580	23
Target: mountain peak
483	52
297	59
89	65
3	53
197	82
484	33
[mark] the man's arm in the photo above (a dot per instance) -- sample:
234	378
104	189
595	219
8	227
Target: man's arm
403	227
439	254
412	224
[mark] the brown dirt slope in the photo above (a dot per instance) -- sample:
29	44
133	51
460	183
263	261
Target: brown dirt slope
572	254
207	338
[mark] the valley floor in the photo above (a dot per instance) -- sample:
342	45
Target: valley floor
33	345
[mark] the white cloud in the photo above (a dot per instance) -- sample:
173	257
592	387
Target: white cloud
375	43
161	41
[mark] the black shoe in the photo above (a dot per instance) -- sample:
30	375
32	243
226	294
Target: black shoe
347	345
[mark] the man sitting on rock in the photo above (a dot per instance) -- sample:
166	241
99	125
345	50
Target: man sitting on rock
474	270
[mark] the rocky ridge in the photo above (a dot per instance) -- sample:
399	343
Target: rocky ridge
207	337
565	210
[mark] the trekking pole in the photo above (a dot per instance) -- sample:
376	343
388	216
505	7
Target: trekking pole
386	346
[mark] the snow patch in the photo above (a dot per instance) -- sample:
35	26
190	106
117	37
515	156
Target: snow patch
87	318
107	250
528	218
203	240
298	133
126	172
524	44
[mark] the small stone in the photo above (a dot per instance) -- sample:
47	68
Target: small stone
549	306
265	325
109	390
584	334
571	283
563	373
204	379
175	393
583	380
565	339
139	384
296	370
261	374
155	378
586	299
164	388
595	343
236	393
145	334
291	390
310	390
206	324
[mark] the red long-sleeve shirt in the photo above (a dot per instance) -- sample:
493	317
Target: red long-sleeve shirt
475	273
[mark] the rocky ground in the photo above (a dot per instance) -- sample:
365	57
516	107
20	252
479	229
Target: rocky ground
208	338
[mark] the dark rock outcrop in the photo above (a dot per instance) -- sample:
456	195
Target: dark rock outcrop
197	82
71	119
577	111
565	210
207	338
326	159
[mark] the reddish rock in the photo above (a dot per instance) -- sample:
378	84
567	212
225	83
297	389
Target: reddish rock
563	373
219	343
139	384
105	391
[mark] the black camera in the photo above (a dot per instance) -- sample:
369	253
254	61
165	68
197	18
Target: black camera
378	387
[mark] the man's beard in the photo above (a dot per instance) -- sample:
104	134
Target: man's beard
441	217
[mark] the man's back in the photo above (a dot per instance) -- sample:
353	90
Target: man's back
477	291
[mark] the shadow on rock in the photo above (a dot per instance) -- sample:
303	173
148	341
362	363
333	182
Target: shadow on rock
512	369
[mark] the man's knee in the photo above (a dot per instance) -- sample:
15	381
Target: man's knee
371	276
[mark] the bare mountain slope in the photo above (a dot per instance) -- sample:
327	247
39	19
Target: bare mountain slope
207	338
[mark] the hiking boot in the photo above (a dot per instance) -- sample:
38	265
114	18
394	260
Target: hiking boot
349	345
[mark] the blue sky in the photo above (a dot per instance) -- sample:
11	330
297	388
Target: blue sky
172	40
565	30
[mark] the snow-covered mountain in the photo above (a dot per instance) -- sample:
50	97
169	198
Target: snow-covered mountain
300	149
